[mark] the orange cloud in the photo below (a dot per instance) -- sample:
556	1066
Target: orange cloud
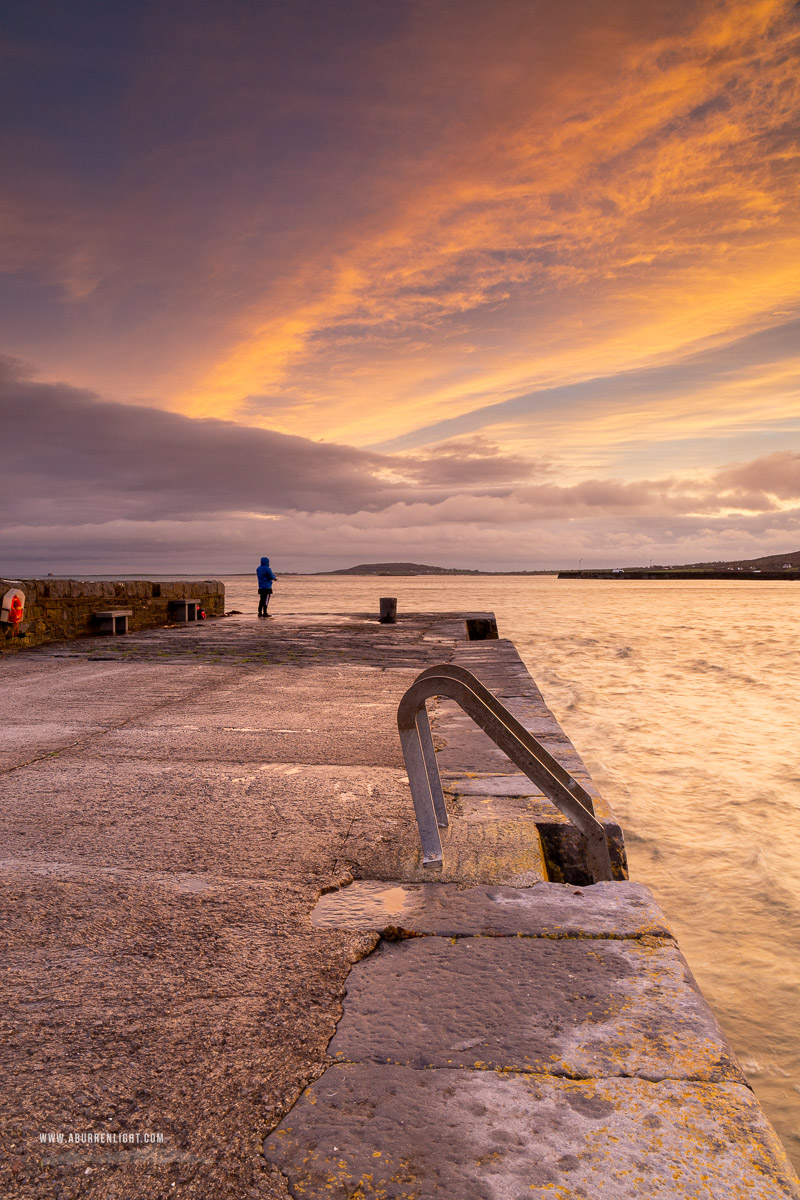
614	209
467	204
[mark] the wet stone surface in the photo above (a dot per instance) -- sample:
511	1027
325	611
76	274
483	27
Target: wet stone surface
604	910
415	641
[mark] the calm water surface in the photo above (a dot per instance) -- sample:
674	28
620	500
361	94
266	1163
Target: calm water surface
684	699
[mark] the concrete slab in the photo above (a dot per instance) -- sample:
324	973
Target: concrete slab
69	903
80	700
349	744
89	691
260	693
160	968
394	1133
196	1006
25	742
206	1073
262	820
338	716
298	640
577	1008
604	910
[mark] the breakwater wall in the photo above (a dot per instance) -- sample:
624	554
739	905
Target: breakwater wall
56	609
641	573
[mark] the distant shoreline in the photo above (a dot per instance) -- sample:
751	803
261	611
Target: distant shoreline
756	574
408	571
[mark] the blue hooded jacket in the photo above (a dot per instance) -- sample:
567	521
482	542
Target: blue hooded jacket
265	574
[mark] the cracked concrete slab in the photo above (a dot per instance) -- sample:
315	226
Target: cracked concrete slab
396	1133
604	910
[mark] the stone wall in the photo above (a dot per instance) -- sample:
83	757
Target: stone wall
65	608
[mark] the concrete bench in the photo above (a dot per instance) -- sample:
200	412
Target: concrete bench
184	610
114	621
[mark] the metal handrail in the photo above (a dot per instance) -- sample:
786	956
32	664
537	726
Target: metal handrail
459	684
525	736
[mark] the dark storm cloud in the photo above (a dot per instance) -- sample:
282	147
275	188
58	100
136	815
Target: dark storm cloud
69	455
68	452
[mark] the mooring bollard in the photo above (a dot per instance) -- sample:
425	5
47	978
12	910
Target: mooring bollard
388	610
480	629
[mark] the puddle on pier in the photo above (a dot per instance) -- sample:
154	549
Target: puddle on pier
427	908
367	903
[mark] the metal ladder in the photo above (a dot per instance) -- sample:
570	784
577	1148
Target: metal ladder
456	683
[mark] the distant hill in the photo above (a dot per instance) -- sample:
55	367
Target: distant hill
400	568
769	567
771	562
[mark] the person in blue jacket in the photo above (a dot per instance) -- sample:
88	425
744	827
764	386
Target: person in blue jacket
266	577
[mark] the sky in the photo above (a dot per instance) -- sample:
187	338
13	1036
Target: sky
509	285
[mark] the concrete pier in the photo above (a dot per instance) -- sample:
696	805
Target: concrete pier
227	973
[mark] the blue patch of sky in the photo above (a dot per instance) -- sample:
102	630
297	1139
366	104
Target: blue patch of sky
64	76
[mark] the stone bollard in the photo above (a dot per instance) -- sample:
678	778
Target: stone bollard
481	629
388	610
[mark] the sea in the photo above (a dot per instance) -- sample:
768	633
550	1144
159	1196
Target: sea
683	698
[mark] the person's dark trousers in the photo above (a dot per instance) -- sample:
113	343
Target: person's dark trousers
263	601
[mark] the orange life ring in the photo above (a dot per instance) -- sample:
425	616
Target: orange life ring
16	611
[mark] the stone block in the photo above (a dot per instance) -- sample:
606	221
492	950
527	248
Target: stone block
394	1133
551	910
568	1007
489	852
485	786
